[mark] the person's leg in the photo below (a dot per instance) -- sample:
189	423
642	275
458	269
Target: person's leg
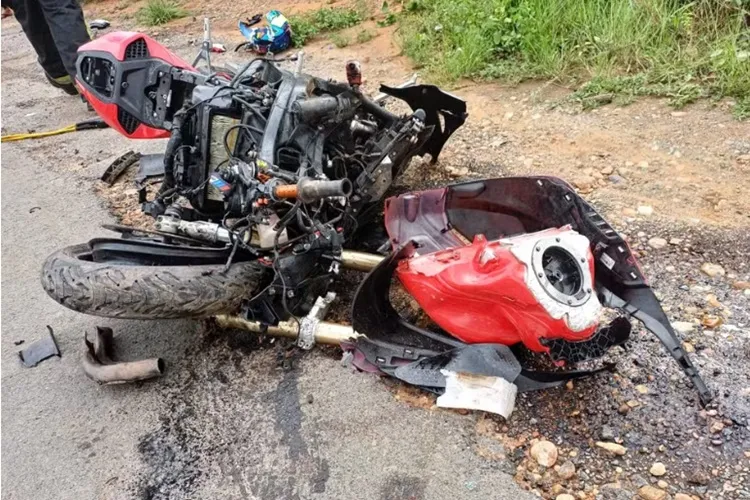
68	29
31	17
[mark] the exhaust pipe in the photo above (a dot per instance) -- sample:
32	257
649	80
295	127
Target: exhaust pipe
99	366
360	261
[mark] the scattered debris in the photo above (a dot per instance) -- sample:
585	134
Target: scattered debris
34	209
18	342
99	24
275	38
478	392
117	167
42	349
149	167
100	367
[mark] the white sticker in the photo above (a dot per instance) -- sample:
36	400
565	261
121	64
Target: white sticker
607	260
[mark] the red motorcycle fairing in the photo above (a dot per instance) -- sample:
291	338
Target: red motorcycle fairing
422	223
117	44
489	292
119	75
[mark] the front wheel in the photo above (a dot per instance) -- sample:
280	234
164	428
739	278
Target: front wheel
121	289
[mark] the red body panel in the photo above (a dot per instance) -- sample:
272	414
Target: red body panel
115	44
482	302
108	112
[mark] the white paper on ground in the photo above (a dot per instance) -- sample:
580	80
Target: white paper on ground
478	392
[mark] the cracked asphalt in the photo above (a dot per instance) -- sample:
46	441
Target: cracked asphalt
227	420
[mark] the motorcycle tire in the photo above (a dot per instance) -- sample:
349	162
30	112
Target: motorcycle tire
146	292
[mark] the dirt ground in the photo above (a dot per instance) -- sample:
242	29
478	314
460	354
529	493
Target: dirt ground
656	173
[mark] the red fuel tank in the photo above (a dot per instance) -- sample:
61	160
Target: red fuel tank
518	289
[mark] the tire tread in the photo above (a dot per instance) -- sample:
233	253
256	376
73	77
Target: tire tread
146	292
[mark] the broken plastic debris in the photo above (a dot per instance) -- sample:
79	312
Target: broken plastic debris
44	348
478	392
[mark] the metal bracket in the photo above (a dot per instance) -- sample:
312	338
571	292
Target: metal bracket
665	333
309	324
205	52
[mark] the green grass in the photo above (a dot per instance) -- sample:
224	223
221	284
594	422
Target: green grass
675	48
158	12
365	36
326	20
340	40
389	17
742	108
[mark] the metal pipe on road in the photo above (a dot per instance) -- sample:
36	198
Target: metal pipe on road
99	366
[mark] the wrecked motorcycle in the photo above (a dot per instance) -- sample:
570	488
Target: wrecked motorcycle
272	181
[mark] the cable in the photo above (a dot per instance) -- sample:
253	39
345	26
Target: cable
84	125
215	96
241	71
251	107
275	263
243	126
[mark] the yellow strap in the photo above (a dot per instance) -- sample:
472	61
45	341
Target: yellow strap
37	135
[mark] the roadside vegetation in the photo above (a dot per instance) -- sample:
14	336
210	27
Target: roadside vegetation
365	36
625	48
326	20
157	12
340	40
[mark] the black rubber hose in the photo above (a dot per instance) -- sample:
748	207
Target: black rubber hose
175	141
309	190
380	112
315	108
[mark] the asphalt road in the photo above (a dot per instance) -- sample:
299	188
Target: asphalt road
226	421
